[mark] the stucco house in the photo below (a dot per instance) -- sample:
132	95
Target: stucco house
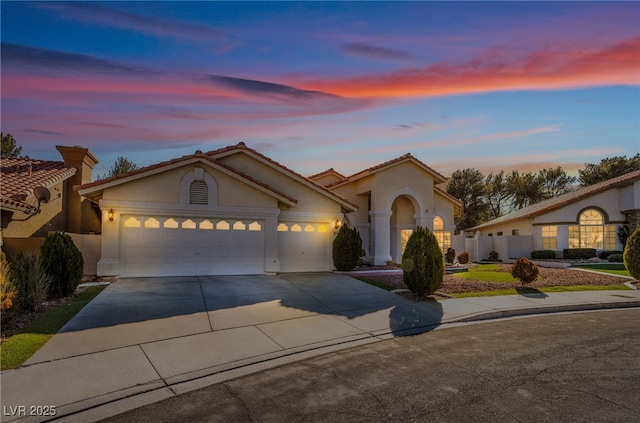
27	220
236	211
393	198
588	217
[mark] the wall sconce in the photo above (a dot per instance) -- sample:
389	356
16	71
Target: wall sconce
338	224
111	215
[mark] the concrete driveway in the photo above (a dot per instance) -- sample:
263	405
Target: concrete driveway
253	315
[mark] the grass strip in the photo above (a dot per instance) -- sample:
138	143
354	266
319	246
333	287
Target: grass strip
17	349
375	283
528	290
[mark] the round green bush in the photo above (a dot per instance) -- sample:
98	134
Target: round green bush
422	263
615	258
525	270
463	257
631	254
63	262
347	249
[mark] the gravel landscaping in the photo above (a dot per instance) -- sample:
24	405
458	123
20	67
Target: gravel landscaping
549	277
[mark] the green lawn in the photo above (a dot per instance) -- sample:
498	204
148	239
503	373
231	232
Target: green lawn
613	269
17	349
487	272
375	283
524	291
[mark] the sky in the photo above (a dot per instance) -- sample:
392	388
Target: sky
318	85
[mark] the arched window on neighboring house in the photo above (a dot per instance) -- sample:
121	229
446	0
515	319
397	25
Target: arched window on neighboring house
443	237
592	232
199	193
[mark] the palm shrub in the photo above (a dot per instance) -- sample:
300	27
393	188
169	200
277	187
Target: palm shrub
347	249
463	257
525	270
631	255
422	263
32	281
62	261
7	286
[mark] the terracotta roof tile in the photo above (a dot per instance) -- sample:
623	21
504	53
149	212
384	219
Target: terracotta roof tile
18	181
330	171
384	165
562	200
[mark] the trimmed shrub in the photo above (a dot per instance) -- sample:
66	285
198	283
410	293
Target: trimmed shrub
604	255
32	281
7	286
631	254
422	263
525	270
347	249
450	255
493	256
62	261
543	254
624	232
463	257
578	253
615	258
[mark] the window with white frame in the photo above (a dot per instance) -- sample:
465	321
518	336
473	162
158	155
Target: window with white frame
443	237
550	237
592	232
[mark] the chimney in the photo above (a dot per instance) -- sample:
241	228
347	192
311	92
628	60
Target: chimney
80	216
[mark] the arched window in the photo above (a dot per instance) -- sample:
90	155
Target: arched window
443	237
591	232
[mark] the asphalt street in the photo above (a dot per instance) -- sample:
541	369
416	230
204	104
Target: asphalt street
563	367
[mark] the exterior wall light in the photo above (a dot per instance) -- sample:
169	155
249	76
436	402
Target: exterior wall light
338	224
111	215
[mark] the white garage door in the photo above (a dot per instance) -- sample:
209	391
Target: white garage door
304	247
161	246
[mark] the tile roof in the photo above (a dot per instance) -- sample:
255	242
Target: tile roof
211	156
18	181
330	171
562	200
376	168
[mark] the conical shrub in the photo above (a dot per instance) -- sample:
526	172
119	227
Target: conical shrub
631	255
347	249
63	262
422	263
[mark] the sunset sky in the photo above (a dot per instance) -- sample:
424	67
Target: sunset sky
488	85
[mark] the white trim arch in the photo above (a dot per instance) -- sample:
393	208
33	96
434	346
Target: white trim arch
198	174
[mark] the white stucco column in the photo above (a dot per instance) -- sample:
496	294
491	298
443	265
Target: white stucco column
108	265
271	260
380	236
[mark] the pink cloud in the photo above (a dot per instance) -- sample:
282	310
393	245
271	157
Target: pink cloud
496	71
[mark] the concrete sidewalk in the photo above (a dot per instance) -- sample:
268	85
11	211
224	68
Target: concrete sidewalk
89	373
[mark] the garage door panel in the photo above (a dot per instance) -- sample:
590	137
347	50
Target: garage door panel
177	251
304	247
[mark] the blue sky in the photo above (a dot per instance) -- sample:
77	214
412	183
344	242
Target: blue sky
313	85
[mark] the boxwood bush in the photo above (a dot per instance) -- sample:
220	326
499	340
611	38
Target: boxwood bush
525	270
463	257
632	254
615	258
578	253
63	262
347	249
604	255
543	254
422	263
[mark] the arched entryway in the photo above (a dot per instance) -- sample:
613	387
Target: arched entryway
402	224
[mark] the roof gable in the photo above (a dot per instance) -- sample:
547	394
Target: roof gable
438	178
562	200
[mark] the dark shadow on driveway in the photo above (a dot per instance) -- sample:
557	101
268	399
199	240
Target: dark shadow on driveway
528	292
132	300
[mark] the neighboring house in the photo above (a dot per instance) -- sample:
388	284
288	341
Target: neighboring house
393	198
236	211
228	211
26	221
586	218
